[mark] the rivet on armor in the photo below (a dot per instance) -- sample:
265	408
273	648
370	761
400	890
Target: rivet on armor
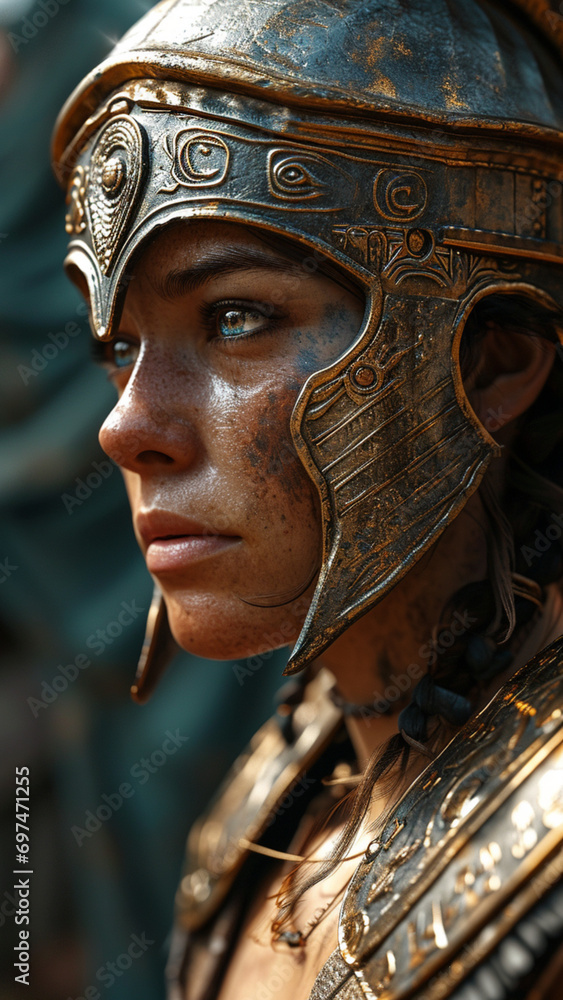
113	175
197	886
418	242
364	376
372	849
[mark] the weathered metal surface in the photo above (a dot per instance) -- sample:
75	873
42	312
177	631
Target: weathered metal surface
472	847
418	147
465	63
420	150
248	798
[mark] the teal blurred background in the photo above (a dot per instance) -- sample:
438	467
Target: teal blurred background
68	559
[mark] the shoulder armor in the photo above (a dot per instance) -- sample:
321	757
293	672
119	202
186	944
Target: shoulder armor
246	801
470	849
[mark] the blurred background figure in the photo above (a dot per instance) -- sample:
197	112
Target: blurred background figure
114	787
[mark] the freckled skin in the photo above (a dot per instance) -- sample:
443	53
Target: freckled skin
201	429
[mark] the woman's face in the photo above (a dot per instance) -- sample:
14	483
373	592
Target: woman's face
219	333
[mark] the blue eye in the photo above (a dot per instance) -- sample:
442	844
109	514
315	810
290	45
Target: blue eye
236	322
114	355
122	353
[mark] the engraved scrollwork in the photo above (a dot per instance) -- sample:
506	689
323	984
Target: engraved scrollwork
399	253
414	252
383	885
198	159
75	218
462	798
400	195
481	268
369	374
366	244
351	932
489	834
116	168
382	972
300	176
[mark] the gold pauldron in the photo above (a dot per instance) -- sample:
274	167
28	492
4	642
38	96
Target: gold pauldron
474	845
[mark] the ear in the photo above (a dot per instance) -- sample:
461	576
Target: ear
512	371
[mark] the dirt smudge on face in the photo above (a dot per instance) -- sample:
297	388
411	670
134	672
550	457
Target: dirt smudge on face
271	451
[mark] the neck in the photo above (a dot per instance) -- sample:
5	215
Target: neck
379	660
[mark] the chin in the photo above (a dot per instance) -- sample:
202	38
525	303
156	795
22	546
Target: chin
226	629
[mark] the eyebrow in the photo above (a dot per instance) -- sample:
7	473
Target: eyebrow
213	264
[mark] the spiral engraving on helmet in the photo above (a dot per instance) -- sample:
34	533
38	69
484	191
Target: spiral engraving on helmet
400	253
116	168
75	218
113	176
400	194
294	176
199	159
364	377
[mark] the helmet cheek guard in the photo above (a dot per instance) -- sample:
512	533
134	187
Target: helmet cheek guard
427	220
395	451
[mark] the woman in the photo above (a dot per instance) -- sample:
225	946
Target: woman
322	255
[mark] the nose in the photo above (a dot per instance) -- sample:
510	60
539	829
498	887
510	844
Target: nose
148	430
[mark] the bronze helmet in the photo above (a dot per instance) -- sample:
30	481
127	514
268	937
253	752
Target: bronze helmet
419	151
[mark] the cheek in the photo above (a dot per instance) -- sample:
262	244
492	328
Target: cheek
277	502
275	507
268	451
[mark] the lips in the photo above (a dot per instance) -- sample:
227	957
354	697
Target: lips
172	542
